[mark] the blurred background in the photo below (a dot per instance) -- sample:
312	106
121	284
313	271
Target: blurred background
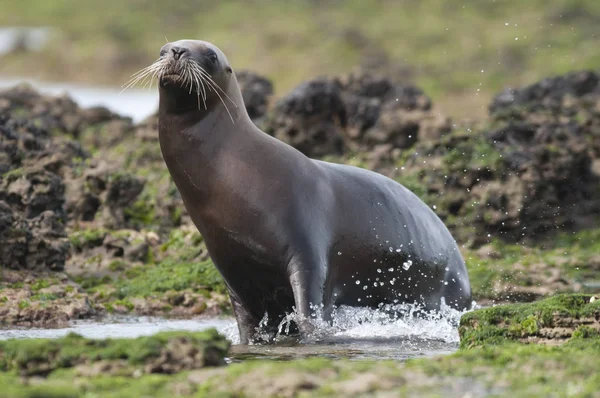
459	52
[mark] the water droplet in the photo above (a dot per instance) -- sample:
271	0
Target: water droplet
339	253
406	265
398	250
365	287
434	207
391	269
358	282
379	270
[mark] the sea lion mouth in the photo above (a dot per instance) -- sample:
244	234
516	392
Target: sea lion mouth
171	77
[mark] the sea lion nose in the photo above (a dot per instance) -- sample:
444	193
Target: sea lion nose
178	51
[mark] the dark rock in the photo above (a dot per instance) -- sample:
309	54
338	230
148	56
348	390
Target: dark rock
529	171
311	118
38	243
122	191
357	112
32	191
548	93
55	113
256	91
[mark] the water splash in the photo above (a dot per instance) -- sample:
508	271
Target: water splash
390	322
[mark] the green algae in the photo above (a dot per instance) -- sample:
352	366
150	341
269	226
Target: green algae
90	237
509	370
497	325
514	370
179	264
493	368
30	357
13	174
170	275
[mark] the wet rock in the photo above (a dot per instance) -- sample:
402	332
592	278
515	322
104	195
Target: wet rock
549	93
32	191
357	112
26	303
55	113
256	91
526	173
311	118
182	353
160	353
121	192
383	112
553	321
38	243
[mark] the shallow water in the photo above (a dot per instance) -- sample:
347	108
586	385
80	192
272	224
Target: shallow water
356	333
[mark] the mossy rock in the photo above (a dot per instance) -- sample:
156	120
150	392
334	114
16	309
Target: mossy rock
553	320
166	352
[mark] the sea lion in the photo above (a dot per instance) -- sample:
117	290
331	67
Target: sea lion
287	232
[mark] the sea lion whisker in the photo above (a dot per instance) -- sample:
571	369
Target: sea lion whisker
149	67
202	92
137	78
211	83
188	76
199	78
216	85
145	71
155	76
135	81
143	74
207	76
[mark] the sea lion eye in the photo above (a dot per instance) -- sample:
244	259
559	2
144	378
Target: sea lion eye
213	57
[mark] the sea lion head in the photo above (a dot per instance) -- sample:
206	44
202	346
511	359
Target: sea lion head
190	64
193	76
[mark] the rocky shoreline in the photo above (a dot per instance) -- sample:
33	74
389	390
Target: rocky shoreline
500	354
91	223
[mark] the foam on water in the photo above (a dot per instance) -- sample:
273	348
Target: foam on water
388	322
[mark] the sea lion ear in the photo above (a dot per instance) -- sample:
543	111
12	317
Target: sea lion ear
228	69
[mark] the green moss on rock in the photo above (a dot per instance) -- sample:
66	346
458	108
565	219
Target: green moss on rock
524	321
30	357
171	275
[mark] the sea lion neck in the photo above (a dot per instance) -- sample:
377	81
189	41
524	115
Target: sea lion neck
198	144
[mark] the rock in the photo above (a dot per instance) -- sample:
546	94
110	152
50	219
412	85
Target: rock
33	191
121	192
256	91
526	173
549	93
357	112
60	113
554	321
160	353
311	118
38	243
30	306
